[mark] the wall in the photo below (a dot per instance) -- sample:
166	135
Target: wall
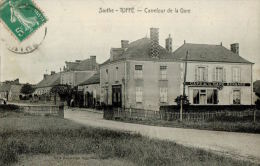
93	89
226	94
14	92
43	110
107	81
151	84
74	78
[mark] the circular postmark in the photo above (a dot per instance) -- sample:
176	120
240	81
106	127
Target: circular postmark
22	21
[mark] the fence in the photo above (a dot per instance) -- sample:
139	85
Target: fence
43	110
116	113
250	115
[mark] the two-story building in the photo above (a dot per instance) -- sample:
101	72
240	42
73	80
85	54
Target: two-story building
78	71
144	75
215	75
141	74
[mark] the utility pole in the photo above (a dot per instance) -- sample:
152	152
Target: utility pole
184	83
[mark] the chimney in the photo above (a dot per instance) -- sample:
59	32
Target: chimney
154	36
235	48
124	43
45	76
168	43
93	62
52	73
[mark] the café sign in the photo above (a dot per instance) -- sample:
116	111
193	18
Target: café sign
216	84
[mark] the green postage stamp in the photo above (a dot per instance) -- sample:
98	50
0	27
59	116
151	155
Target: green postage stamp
22	17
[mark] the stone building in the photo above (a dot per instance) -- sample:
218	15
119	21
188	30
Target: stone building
78	71
10	90
216	75
43	88
140	74
144	75
91	91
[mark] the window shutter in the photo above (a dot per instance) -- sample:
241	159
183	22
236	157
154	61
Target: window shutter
206	73
239	74
224	74
214	74
196	73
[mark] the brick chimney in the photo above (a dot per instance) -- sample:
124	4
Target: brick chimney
124	43
234	48
52	73
93	61
154	36
168	43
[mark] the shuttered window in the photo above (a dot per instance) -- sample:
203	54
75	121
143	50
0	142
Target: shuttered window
163	95
138	94
201	73
138	72
163	72
236	74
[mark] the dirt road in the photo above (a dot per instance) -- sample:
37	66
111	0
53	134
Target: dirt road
238	145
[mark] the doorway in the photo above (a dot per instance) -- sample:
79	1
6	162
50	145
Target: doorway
117	96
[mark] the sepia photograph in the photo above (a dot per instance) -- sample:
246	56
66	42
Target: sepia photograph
129	82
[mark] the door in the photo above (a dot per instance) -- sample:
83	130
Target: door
117	96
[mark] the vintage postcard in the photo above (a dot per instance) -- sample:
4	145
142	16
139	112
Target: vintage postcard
129	82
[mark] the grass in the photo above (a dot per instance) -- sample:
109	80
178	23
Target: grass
220	125
32	135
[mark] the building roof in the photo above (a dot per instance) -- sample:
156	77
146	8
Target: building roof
82	65
207	53
256	87
5	87
138	50
95	79
49	81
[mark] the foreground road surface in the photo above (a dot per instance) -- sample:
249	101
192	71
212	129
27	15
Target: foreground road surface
238	145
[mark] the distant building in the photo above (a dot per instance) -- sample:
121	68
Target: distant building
79	71
144	75
10	90
43	88
91	90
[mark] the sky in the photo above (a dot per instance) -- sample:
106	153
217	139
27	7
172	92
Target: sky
76	30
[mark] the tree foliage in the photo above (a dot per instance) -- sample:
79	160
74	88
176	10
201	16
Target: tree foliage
64	91
185	100
27	89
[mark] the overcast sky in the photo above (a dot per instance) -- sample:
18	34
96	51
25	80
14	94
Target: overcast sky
76	30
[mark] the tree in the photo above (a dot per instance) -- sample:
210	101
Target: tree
64	92
27	89
185	100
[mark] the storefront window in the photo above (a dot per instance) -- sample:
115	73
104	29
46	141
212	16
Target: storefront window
236	97
195	96
205	96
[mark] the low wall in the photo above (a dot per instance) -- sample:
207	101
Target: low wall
43	110
114	113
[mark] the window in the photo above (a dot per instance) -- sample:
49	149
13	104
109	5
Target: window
212	96
219	74
205	96
139	94
236	74
236	97
138	71
163	72
116	74
107	75
201	74
163	95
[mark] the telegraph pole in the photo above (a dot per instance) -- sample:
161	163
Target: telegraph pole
184	83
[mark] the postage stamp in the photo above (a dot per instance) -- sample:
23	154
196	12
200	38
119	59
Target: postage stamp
22	17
